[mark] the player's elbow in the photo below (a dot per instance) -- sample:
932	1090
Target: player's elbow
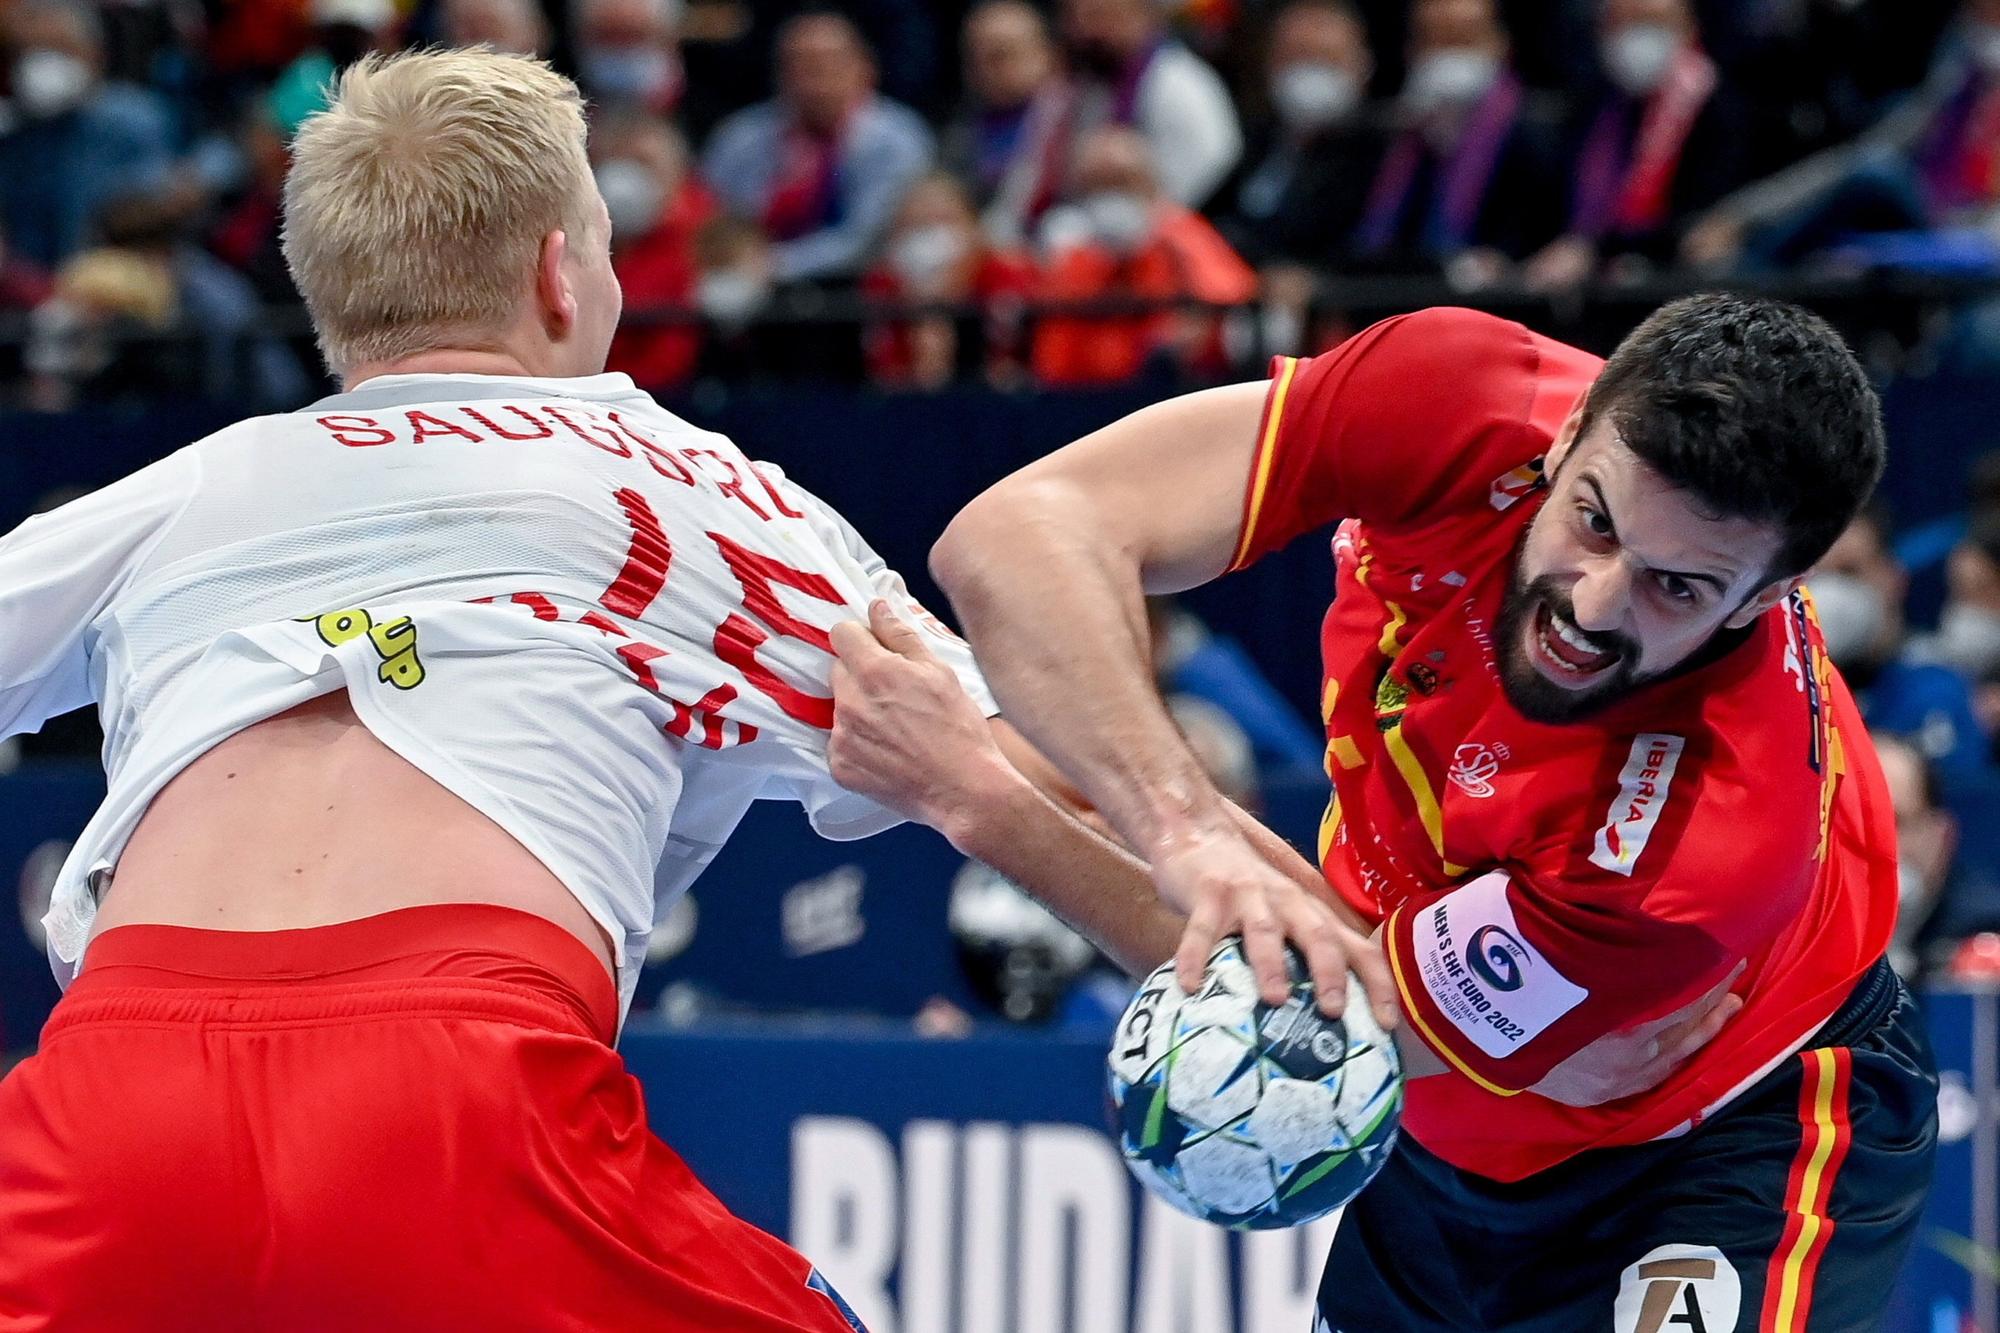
991	536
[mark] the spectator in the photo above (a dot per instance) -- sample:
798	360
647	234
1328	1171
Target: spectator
1468	184
505	25
821	166
1124	240
1926	844
23	285
1932	162
1136	74
152	315
628	53
1013	142
1819	72
1667	139
936	253
657	208
343	31
1968	636
246	236
1860	589
78	140
1190	661
734	283
1312	161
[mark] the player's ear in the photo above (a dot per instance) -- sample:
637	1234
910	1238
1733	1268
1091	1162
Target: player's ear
1565	439
554	297
1763	600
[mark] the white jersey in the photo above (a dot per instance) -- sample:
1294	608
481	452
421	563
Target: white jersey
601	627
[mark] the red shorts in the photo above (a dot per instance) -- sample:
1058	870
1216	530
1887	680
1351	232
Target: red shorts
412	1121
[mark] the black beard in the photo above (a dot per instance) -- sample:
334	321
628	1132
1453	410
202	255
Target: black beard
1534	695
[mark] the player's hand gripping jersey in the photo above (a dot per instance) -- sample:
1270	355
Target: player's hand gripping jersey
604	629
1732	813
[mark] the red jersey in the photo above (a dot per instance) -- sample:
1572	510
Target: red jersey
1735	812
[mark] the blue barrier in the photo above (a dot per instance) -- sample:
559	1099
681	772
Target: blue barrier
969	1185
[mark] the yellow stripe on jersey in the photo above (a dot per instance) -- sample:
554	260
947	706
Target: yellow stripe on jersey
1416	1015
1340	748
1260	468
1329	827
1419	783
1397	619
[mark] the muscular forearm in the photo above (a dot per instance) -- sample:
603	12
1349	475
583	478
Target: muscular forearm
1048	571
1056	614
1097	887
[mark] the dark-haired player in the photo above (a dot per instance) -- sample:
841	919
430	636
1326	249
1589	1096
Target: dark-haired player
1595	785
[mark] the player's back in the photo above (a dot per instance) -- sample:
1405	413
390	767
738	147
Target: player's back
602	630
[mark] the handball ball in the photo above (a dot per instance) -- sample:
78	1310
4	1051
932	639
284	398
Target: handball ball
1246	1114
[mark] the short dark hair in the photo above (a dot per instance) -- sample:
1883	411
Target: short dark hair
1754	407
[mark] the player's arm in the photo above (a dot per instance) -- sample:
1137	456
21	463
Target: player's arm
908	736
1048	572
58	572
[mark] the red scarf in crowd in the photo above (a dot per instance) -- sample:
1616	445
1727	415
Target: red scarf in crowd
1628	193
805	188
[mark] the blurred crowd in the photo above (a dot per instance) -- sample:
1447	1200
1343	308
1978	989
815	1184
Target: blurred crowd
1071	192
1931	698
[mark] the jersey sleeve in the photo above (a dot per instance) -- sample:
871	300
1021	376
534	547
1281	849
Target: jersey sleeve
58	573
1676	878
1410	418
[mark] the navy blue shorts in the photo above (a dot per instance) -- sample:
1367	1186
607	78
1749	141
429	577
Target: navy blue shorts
1767	1219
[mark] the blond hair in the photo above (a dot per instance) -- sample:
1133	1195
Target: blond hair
417	202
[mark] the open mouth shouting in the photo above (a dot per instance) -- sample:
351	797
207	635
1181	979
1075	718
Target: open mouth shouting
1564	654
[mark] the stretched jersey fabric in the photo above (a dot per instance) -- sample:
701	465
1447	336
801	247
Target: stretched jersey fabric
601	627
1545	885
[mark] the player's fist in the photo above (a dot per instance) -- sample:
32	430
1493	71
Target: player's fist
905	733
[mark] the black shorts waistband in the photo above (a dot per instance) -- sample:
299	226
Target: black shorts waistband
1873	996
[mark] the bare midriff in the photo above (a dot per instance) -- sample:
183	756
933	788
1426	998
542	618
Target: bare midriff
306	819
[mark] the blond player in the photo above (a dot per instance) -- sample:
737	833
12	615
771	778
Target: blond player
421	703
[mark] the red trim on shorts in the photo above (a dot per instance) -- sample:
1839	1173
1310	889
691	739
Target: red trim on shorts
519	961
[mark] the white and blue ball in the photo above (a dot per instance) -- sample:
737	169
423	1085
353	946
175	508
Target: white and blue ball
1247	1114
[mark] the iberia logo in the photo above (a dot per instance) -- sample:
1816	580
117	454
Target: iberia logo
1642	793
1511	487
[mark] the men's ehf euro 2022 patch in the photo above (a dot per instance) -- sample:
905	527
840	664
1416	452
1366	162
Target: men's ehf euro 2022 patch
1484	975
1642	793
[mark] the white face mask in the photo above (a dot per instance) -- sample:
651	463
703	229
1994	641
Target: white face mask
730	297
48	83
1313	95
1984	40
922	255
1638	56
1851	615
1121	221
1454	77
626	73
632	196
1969	639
